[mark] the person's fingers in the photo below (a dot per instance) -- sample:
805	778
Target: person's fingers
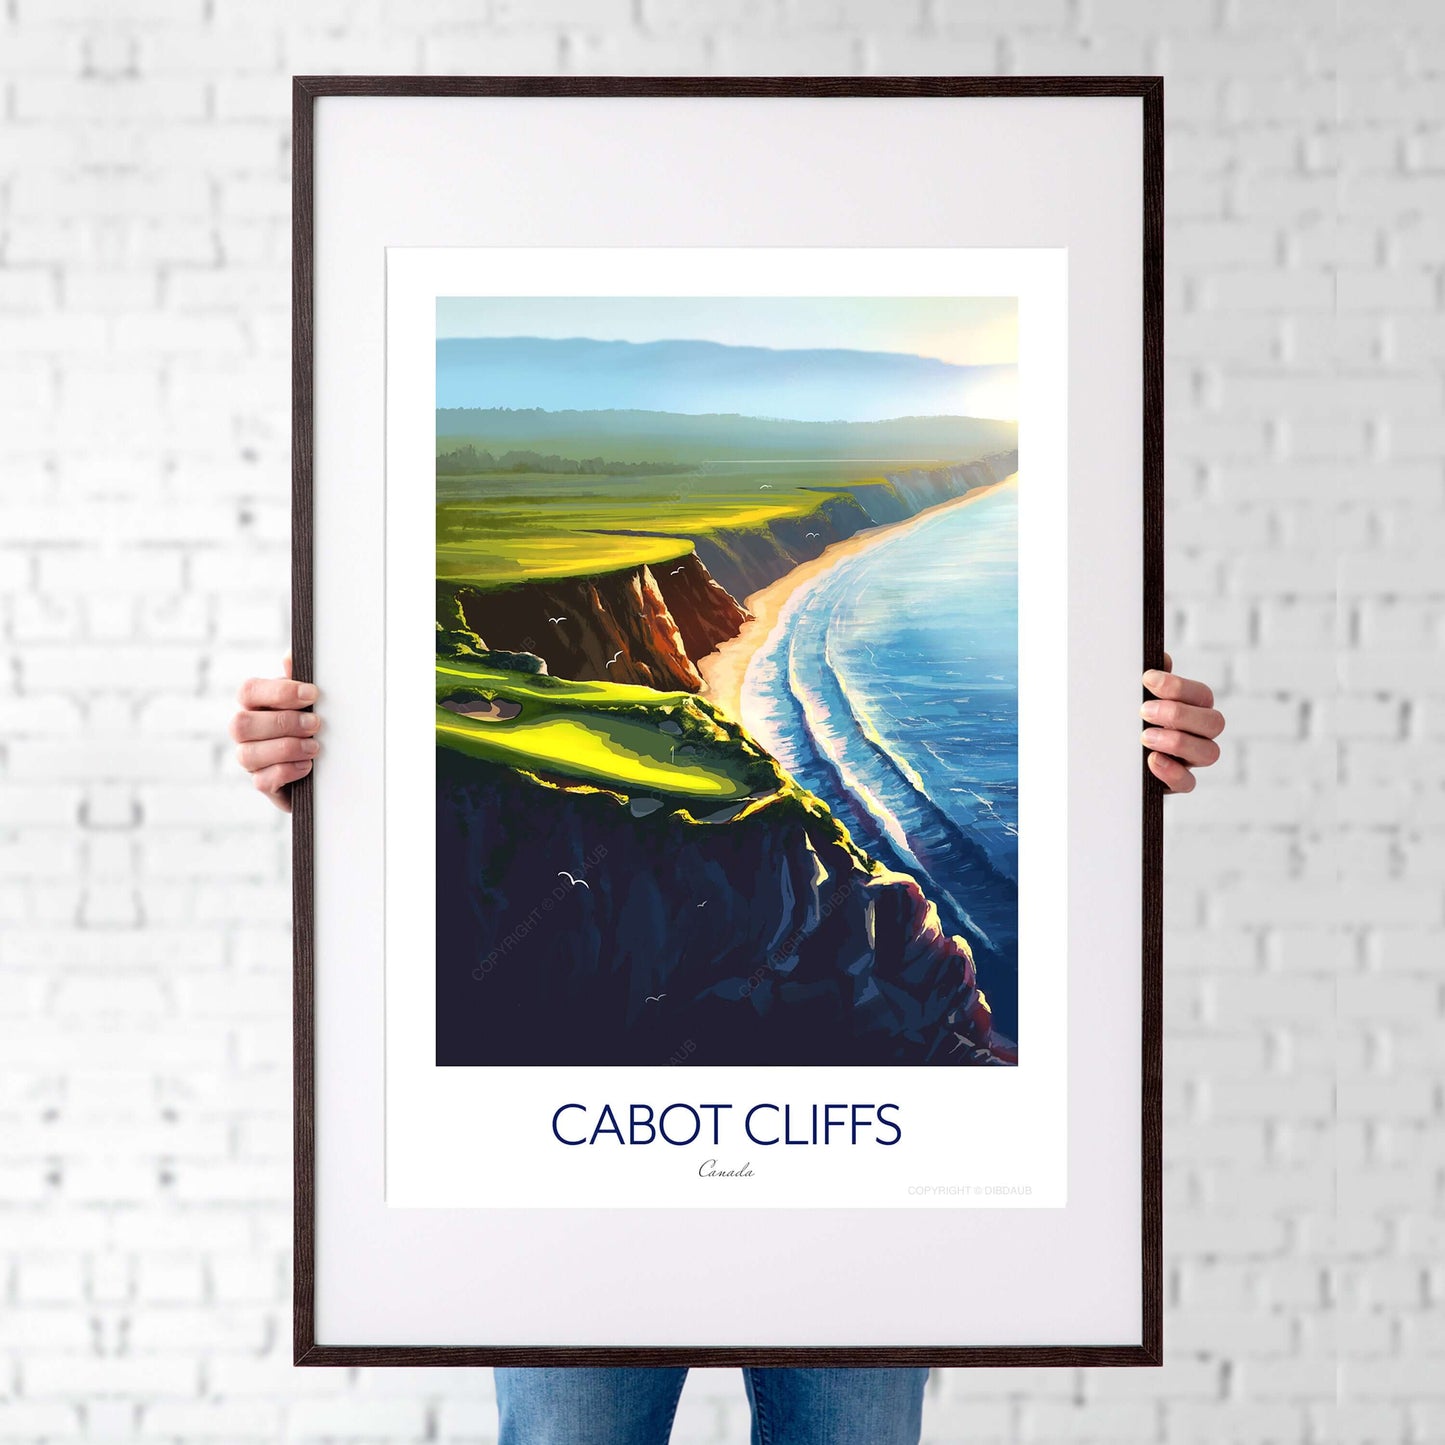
286	663
252	727
1168	663
274	779
256	756
1196	751
1172	773
1204	722
276	692
1178	689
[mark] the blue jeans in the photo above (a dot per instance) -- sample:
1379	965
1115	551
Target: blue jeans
615	1406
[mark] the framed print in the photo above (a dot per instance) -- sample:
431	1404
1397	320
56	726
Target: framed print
728	522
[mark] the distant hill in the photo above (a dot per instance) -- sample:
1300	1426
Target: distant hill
468	461
708	377
635	436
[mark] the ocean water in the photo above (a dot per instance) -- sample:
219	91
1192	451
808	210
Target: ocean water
889	687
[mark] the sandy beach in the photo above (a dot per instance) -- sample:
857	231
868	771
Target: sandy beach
723	671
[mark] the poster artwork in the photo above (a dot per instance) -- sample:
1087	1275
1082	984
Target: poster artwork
727	681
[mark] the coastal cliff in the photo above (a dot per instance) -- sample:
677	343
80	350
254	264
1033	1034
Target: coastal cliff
637	625
921	487
747	560
651	624
769	940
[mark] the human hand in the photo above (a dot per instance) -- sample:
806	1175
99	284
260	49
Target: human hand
1183	723
277	741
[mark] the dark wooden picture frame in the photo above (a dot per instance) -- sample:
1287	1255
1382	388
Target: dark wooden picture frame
1149	91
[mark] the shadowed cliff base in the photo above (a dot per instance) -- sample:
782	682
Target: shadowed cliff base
571	930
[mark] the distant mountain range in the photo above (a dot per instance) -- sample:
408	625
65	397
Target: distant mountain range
707	377
641	436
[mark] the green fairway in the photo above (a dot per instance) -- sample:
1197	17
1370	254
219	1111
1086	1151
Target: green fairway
622	738
479	549
544	691
501	529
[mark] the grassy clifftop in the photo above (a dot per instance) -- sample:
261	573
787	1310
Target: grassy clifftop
664	753
733	478
499	530
639	742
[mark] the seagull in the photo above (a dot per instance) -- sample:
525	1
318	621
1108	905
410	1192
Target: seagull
703	904
812	534
556	619
575	882
614	657
655	998
766	487
676	570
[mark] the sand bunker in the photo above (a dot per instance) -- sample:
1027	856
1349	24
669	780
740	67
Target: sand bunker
484	709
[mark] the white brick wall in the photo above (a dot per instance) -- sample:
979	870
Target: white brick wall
144	1178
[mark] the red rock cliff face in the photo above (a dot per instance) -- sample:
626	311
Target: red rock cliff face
707	614
630	626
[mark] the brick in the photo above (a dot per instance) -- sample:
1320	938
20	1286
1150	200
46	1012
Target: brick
1209	244
46	98
358	1419
1260	290
214	1328
49	1376
672	15
1264	100
1188	16
631	53
171	1279
1039	15
334	52
52	334
1181	1379
252	97
50	1279
535	52
872	16
22	1421
210	1421
820	54
111	572
1233	1423
595	14
1115	53
1287	196
931	55
1378	290
1101	1421
1231	1333
232	48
